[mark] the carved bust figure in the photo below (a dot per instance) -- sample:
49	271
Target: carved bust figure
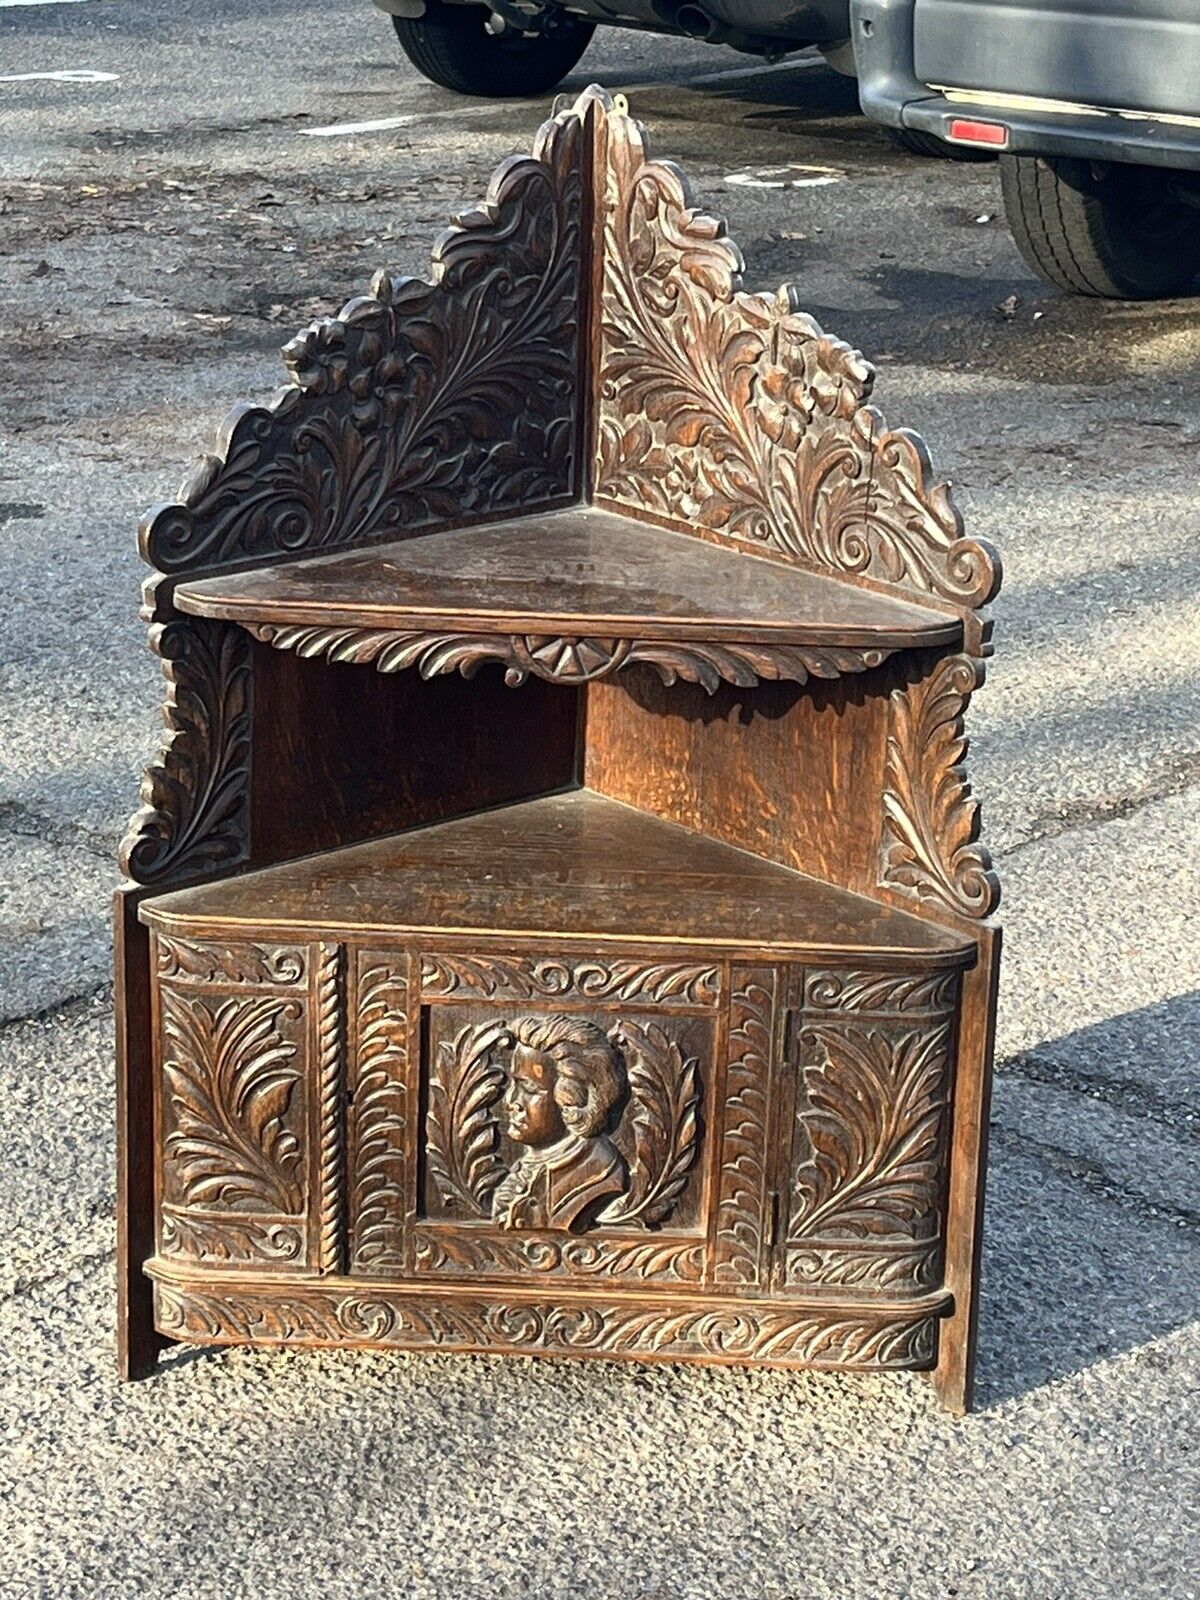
565	1081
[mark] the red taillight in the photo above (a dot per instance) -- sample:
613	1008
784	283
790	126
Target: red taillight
964	132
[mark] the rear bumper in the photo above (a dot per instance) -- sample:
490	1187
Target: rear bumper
891	93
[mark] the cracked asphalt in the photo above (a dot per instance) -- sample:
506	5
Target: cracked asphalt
161	233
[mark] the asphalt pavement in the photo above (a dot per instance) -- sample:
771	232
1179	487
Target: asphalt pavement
164	226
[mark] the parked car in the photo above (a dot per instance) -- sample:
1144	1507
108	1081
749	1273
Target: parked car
523	47
1092	105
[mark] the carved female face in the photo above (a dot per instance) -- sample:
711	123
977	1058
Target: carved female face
529	1104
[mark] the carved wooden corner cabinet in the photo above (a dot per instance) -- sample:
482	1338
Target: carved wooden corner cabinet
557	923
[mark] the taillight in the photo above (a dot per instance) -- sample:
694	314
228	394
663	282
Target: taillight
962	131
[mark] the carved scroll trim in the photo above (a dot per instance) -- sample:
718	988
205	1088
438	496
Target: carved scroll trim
567	660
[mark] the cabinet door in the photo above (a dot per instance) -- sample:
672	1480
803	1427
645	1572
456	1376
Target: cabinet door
870	1067
565	1116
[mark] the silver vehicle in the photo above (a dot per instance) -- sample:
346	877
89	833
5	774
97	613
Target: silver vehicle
1093	107
523	47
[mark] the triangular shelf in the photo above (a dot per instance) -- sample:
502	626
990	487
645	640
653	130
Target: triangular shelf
584	340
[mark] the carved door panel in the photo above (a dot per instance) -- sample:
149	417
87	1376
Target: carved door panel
240	1132
566	1109
869	1069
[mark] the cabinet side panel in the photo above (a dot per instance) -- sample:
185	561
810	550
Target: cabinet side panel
344	753
791	772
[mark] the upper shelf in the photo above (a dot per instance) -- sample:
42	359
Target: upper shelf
581	573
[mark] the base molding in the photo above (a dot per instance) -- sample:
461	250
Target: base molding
371	1315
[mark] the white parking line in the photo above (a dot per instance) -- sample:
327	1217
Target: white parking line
459	113
6	5
68	75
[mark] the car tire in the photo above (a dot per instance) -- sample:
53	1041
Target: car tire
451	46
1101	228
919	143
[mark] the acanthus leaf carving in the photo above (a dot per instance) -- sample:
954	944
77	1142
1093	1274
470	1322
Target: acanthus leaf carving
886	1339
377	1120
191	961
230	1073
874	1114
929	847
418	404
734	413
462	1130
664	1092
195	812
566	660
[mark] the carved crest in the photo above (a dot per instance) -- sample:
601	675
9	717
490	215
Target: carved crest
735	415
552	1122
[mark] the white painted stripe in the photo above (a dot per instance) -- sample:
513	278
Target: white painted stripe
70	75
6	5
458	113
380	125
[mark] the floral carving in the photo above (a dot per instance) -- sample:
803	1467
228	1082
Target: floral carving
735	414
419	404
929	847
504	977
230	1073
873	1115
567	661
378	1114
743	1179
195	812
771	1336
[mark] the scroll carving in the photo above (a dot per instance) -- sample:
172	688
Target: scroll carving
231	1076
187	961
467	1254
504	977
600	1128
735	414
880	992
929	846
419	404
229	1239
566	661
195	812
386	1317
378	1116
739	1227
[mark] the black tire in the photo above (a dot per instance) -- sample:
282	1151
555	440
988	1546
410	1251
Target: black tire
1101	228
919	143
450	45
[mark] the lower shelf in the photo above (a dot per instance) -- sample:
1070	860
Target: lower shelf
369	1315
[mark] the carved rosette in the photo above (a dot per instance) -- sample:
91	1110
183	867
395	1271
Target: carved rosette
386	1317
735	415
195	813
929	849
566	661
